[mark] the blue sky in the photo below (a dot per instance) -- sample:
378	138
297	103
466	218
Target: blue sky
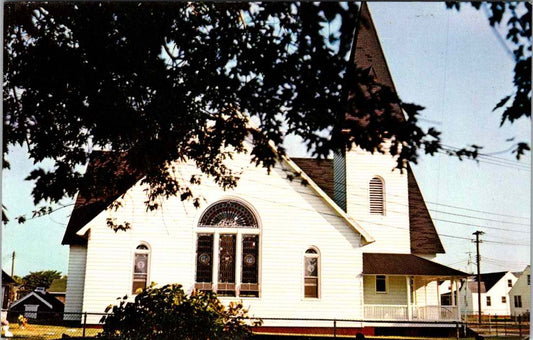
450	62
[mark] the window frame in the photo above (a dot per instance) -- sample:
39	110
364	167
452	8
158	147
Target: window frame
139	251
518	301
504	299
313	253
488	301
509	283
372	192
231	290
385	282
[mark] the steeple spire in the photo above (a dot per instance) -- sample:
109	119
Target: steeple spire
368	52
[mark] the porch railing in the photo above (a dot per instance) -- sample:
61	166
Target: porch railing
401	312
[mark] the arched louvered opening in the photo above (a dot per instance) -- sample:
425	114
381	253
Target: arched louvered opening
377	196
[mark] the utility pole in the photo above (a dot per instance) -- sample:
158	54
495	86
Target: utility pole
13	264
478	259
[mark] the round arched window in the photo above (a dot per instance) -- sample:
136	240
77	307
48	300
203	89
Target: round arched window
228	214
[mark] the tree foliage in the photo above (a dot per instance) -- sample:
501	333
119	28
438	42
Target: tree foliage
169	313
155	82
42	278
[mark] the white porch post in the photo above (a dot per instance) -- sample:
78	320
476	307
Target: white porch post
438	294
452	291
458	302
408	285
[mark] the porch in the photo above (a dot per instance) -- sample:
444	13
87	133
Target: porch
405	287
413	313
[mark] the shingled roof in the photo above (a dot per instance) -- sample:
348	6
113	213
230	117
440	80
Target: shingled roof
368	51
490	279
101	167
405	264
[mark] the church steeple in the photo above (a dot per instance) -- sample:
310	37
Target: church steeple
368	51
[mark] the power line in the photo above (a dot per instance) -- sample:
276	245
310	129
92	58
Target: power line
480	211
479	218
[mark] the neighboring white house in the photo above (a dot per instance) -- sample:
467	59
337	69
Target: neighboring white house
520	294
355	243
495	289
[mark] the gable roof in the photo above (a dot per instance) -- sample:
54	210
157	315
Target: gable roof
86	209
490	279
88	205
423	235
472	285
6	279
47	300
405	264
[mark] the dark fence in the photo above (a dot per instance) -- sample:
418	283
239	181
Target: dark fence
47	325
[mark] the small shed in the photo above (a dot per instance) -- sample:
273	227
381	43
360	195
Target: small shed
37	305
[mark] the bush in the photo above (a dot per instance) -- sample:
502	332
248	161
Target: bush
169	313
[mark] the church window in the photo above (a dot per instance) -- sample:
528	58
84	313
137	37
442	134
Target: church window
227	250
311	273
140	268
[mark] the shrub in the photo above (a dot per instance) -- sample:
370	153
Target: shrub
169	313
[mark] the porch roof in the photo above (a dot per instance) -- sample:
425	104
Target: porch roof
405	264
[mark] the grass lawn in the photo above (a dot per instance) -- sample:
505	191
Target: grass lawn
35	331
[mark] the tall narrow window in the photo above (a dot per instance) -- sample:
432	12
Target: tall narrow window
140	268
228	250
204	262
226	270
518	301
489	301
377	196
250	272
510	283
311	273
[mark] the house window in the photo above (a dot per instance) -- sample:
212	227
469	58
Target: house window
488	301
504	299
509	283
140	268
518	301
377	196
227	250
311	273
529	280
381	284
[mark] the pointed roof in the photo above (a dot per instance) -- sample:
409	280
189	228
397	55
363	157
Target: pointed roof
85	209
490	279
368	51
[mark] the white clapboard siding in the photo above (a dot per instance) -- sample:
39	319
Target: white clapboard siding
396	291
75	281
390	229
292	218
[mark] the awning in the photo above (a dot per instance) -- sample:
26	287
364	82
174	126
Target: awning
405	264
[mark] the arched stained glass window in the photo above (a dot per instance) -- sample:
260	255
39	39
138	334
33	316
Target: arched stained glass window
311	273
228	214
140	268
227	250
